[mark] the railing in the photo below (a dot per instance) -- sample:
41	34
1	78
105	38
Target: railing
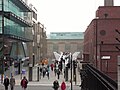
93	79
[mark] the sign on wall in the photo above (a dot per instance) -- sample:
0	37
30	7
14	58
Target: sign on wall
105	57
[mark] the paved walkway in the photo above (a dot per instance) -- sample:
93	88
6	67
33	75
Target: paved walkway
45	81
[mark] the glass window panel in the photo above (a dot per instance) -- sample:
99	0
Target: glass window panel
1	23
0	30
0	1
13	28
0	17
0	7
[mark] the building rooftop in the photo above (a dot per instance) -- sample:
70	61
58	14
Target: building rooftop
66	35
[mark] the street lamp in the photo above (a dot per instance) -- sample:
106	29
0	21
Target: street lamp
71	71
3	40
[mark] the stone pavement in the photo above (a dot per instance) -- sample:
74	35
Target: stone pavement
45	81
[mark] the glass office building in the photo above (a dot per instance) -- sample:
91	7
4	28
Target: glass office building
14	29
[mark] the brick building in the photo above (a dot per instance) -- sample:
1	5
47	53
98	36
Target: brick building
102	40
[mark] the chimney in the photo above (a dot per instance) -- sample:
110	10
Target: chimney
26	1
108	3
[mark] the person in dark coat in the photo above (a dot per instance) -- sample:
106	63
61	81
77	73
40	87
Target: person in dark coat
24	83
6	83
40	72
52	65
12	83
55	85
58	73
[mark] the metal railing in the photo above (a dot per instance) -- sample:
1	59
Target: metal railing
93	79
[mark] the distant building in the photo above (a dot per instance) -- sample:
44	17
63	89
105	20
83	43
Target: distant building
66	35
64	42
39	43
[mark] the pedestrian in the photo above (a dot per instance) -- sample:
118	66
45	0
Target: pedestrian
44	72
40	72
69	88
52	66
24	83
6	82
55	85
63	85
55	71
12	82
47	72
58	73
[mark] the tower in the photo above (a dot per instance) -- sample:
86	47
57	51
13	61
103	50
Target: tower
108	3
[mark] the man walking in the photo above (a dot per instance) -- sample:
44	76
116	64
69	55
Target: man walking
55	85
12	83
6	83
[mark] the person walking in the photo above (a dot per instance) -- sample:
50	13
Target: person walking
24	83
6	82
55	85
44	71
52	65
47	72
63	85
58	73
40	72
12	83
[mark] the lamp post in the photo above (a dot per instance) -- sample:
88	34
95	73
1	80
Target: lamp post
30	72
3	40
38	63
71	71
96	42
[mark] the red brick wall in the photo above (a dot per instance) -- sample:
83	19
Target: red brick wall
104	31
111	11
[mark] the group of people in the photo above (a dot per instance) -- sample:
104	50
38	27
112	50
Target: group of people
44	71
6	83
56	85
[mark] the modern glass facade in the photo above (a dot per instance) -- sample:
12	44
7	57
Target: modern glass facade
15	34
10	6
14	26
13	20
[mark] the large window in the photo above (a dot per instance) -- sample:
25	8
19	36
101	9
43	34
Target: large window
13	28
0	24
9	6
0	5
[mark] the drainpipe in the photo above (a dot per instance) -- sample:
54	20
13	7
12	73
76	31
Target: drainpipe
3	40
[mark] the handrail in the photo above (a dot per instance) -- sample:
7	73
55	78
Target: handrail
105	76
106	81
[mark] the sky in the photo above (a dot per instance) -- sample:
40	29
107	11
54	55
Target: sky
67	15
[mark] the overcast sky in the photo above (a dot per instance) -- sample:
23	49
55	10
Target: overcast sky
67	15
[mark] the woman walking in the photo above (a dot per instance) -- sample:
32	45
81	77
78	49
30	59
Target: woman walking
24	83
63	85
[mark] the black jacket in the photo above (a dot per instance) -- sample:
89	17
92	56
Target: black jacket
6	82
55	85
